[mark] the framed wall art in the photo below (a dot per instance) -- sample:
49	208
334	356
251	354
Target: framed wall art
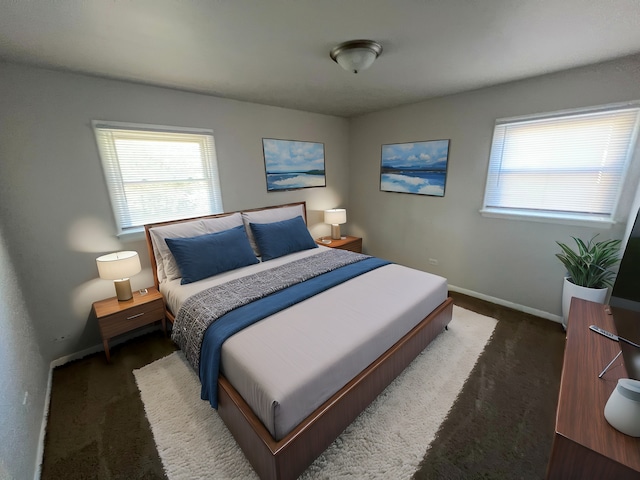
291	164
416	167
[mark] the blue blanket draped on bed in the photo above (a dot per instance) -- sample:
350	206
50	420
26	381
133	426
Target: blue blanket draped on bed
242	317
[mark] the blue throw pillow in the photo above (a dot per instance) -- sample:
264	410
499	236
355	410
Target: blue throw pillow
281	238
207	255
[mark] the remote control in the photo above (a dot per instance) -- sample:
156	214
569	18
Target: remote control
604	332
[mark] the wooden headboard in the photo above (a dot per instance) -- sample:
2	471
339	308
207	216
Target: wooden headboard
152	258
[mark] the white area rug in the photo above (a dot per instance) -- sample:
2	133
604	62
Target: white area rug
388	440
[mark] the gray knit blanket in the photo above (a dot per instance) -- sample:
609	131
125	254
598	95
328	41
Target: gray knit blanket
202	309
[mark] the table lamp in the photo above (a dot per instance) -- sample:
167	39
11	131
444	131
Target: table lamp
119	267
335	217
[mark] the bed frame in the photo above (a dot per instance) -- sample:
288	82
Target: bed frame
286	459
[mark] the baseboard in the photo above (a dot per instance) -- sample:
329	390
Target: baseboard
505	303
66	359
100	348
43	427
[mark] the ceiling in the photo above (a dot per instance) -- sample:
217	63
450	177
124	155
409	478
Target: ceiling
276	52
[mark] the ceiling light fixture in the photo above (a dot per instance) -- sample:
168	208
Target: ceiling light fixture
356	55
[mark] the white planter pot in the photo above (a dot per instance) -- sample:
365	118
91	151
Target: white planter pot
570	290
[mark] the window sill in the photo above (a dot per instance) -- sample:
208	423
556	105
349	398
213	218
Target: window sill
132	235
572	220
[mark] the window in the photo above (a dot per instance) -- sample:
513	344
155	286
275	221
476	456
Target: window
568	166
156	174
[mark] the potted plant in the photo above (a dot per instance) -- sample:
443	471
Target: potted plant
589	271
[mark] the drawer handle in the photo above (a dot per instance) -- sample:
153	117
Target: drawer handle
135	316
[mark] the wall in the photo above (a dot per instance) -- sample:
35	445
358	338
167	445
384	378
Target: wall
23	370
54	204
509	260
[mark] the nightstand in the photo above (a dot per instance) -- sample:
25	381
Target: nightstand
116	318
346	243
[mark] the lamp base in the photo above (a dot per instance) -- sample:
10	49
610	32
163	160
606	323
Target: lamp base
335	232
123	290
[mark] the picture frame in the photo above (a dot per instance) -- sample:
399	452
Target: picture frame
415	167
293	164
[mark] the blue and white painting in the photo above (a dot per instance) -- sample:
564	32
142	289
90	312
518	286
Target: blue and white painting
290	164
418	167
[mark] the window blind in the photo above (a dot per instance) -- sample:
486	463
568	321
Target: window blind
570	165
158	175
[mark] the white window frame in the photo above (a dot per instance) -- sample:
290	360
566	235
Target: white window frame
558	216
121	205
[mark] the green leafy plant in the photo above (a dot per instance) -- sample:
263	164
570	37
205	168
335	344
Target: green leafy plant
590	265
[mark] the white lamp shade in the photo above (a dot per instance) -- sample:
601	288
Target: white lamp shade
356	59
335	216
115	266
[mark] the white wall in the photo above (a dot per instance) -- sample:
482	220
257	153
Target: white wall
23	370
506	259
54	203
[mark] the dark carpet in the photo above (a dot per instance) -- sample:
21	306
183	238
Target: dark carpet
501	425
97	428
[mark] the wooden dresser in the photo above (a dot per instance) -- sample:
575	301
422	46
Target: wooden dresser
585	445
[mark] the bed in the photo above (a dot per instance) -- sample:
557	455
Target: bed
293	378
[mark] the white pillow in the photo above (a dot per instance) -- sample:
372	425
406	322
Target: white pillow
167	267
269	215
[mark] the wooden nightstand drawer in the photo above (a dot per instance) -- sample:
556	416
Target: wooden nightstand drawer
131	318
353	244
115	318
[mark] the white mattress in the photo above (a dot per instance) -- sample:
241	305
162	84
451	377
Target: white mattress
290	363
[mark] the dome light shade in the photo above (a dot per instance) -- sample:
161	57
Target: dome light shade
356	55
